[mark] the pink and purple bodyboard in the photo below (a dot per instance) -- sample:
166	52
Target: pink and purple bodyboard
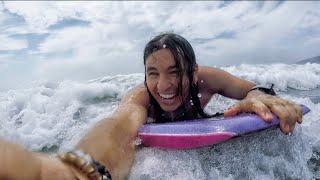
203	132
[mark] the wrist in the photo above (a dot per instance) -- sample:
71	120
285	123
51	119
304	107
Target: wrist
262	89
84	164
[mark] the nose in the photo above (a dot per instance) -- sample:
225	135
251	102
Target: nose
163	84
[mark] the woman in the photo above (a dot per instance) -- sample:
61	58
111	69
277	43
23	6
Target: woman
171	92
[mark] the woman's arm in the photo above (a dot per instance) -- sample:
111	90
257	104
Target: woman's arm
111	141
18	163
224	83
219	81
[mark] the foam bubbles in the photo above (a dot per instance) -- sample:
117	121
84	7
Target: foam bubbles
284	76
54	116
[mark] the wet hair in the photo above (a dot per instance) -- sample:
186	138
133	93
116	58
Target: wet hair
185	61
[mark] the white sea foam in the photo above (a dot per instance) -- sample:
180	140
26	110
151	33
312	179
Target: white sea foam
54	116
284	76
51	114
267	155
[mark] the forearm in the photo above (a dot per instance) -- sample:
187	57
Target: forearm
102	145
237	88
18	163
111	142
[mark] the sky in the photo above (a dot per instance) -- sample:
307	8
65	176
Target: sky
79	41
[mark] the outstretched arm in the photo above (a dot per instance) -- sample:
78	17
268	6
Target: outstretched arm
224	83
17	163
110	142
219	81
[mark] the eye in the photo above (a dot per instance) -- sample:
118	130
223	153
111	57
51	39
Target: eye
175	72
152	74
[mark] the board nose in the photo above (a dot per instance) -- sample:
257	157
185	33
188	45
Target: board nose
304	109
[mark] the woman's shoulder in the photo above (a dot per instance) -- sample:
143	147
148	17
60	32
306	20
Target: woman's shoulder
208	78
137	95
207	71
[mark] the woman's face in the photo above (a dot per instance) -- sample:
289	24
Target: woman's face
162	80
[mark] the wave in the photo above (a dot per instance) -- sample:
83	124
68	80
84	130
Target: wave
283	76
50	117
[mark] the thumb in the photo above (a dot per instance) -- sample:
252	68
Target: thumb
233	110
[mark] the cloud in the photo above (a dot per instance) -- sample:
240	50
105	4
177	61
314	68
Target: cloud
68	23
95	51
2	15
3	65
83	40
40	15
269	35
8	44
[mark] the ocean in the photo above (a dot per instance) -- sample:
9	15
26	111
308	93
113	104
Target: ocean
53	116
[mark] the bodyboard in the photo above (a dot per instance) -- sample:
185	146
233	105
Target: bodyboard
203	132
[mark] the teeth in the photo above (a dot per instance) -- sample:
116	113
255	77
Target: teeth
166	96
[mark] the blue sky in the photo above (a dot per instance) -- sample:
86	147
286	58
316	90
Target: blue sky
55	41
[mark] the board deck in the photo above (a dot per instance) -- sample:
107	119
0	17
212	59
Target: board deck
203	132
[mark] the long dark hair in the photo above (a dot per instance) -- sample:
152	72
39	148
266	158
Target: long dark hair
185	61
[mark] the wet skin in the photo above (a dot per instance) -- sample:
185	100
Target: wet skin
111	141
162	82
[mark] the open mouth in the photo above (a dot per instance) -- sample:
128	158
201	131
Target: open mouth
168	99
167	96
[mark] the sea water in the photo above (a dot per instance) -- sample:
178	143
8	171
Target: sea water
53	116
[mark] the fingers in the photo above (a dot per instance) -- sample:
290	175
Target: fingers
291	118
250	106
242	106
288	112
263	111
233	110
257	107
281	113
288	115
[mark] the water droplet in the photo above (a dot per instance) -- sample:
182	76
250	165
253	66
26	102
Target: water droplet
191	101
201	81
138	141
199	95
191	104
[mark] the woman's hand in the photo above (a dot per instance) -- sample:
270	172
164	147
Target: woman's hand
264	105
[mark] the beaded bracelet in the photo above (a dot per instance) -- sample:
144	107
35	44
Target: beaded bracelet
86	164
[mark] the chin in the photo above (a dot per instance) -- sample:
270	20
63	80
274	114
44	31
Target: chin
169	109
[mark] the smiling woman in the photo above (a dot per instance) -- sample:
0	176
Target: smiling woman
171	72
162	79
169	93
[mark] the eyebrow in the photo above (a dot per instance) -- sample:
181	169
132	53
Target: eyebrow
151	69
155	69
172	67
